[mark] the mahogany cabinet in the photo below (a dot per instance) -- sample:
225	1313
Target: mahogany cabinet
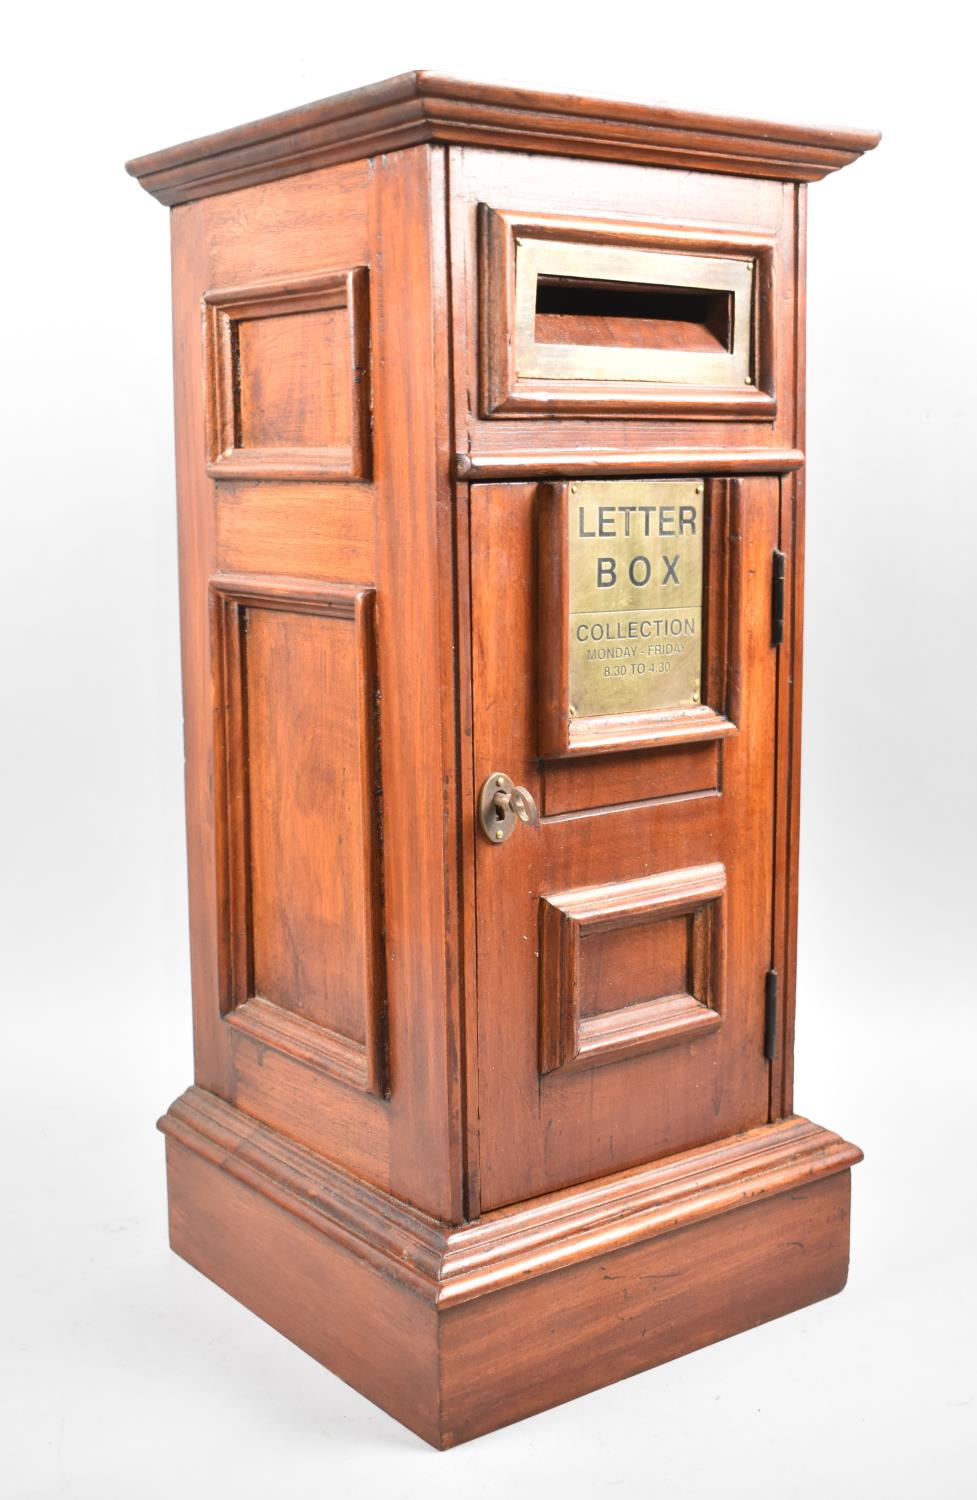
489	415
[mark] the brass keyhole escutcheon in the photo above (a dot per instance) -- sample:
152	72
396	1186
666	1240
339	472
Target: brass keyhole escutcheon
502	806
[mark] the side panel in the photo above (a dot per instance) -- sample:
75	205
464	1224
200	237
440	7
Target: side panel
298	826
311	789
325	999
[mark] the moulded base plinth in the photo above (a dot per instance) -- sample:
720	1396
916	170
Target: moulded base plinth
459	1330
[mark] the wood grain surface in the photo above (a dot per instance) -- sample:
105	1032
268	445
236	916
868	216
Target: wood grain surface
420	107
485	1125
456	1331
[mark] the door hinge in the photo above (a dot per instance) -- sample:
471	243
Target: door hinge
770	1015
777	590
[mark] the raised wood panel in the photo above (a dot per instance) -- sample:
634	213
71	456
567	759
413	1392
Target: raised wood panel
294	386
571	786
631	967
311	809
297	690
617	966
288	366
282	229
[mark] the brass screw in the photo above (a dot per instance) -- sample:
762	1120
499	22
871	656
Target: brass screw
572	711
748	380
499	834
500	781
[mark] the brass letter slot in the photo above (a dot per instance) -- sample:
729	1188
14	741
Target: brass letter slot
626	277
614	319
626	315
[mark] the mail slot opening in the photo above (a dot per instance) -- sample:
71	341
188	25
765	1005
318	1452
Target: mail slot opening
629	315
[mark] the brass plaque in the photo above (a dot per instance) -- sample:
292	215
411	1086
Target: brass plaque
635	599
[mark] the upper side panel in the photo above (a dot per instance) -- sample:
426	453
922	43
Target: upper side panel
628	310
252	272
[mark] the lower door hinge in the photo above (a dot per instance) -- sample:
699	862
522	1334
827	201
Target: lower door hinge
777	589
770	1014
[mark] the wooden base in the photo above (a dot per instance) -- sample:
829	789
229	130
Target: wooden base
458	1331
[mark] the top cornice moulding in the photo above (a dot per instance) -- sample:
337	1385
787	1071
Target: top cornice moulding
416	108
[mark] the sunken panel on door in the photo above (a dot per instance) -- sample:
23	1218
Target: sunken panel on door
631	967
300	827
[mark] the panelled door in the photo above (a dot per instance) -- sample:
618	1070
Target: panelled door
623	943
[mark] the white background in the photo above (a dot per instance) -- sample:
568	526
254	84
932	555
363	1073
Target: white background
125	1373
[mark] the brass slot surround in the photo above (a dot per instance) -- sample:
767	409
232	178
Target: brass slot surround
640	317
641	270
672	320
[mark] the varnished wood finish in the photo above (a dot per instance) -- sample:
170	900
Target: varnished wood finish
440	1325
519	374
297	772
539	1134
326	1298
790	689
602	949
722	210
588	461
385	534
582	783
420	107
484	1125
641	1306
448	1263
288	378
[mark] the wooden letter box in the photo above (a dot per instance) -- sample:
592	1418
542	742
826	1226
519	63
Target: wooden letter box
490	461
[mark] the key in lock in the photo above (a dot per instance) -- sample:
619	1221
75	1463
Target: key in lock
502	806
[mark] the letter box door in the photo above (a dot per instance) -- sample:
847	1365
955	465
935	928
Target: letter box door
623	943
